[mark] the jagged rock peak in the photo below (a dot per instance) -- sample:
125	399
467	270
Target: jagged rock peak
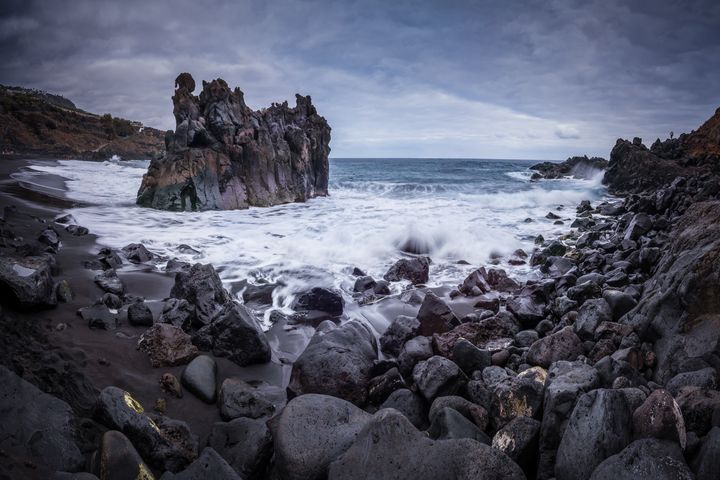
224	155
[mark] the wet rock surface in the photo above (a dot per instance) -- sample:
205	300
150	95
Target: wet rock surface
223	155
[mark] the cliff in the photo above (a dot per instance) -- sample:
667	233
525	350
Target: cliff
41	125
634	168
224	155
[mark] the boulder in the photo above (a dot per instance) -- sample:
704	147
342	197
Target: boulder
400	451
563	345
223	155
470	358
119	460
99	317
327	302
199	378
364	283
26	282
620	303
438	376
245	443
381	386
208	465
311	432
41	426
590	315
705	378
178	312
109	281
260	294
448	423
435	316
415	269
518	439
410	404
139	315
242	399
566	382
521	395
472	411
167	345
137	253
700	409
647	458
201	287
705	464
235	334
600	426
159	445
415	350
337	362
528	309
402	329
660	417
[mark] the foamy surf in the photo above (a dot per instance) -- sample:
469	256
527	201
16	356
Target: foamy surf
378	211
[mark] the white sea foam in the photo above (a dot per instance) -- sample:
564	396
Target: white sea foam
318	242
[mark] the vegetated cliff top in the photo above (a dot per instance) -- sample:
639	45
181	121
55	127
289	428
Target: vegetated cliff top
38	124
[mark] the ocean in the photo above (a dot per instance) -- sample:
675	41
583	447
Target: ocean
457	210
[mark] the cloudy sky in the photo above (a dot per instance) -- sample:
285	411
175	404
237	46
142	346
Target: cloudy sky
448	78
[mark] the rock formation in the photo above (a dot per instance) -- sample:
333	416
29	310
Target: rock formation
577	167
224	155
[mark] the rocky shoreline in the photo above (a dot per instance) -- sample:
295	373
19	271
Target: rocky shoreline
605	367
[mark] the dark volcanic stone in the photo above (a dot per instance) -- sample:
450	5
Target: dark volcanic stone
26	282
118	410
167	345
660	417
118	458
241	399
137	253
438	376
41	426
312	431
140	315
337	362
208	465
223	155
237	335
414	269
110	282
448	423
435	316
319	299
600	426
179	313
563	345
519	441
245	443
402	329
410	404
99	317
415	350
470	358
399	450
648	458
201	287
199	377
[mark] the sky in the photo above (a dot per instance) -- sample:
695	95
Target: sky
394	78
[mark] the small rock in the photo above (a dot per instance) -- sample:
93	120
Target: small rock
167	345
199	377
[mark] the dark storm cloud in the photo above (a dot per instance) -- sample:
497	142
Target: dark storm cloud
534	79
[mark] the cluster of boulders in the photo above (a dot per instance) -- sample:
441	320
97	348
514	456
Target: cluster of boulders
223	155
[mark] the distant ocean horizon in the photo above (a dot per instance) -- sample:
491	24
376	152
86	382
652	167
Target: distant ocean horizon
456	210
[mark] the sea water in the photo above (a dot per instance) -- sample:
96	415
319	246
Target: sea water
461	212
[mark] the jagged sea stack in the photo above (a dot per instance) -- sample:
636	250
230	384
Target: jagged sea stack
223	155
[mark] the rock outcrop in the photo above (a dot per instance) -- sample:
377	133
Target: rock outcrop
223	155
576	167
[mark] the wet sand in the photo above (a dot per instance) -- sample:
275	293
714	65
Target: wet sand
110	357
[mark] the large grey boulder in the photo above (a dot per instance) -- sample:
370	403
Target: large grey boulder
648	459
600	426
37	423
337	362
118	459
223	155
390	447
208	465
242	399
27	281
237	335
202	288
311	432
245	443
